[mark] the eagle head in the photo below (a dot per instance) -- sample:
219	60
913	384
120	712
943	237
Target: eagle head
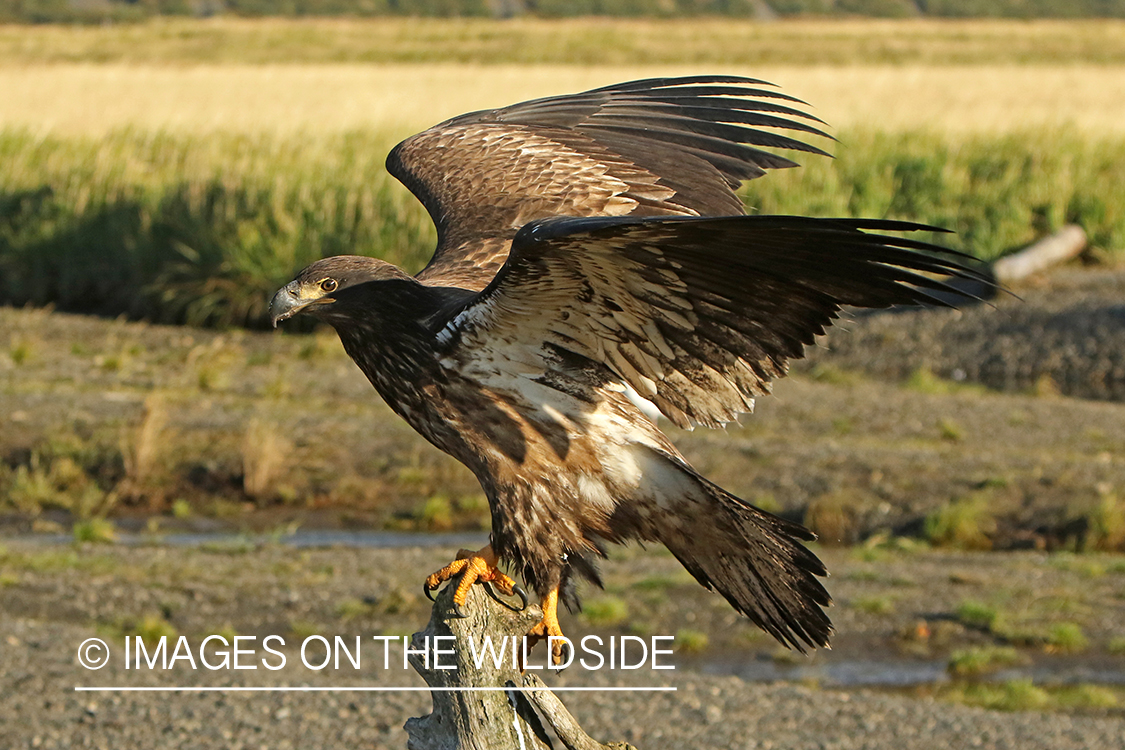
320	286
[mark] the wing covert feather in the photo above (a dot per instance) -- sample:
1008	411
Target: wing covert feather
697	315
658	147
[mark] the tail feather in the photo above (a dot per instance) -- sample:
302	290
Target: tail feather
756	560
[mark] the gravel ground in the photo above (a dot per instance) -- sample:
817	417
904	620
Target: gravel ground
39	709
1069	328
54	597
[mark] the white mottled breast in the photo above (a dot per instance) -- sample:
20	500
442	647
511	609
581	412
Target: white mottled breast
602	420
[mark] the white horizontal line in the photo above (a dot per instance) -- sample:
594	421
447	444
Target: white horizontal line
308	689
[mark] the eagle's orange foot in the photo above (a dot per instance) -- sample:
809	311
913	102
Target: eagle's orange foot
473	567
549	626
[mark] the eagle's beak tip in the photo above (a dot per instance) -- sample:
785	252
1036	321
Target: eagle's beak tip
283	305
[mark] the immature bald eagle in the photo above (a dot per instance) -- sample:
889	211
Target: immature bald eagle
533	348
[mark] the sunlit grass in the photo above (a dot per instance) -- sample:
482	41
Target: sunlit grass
977	615
605	611
98	530
192	229
316	99
964	523
979	660
203	229
576	41
924	380
875	605
352	608
135	184
689	641
1066	638
1025	695
1013	695
150	628
67	473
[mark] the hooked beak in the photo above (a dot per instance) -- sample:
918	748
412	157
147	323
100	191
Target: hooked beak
285	304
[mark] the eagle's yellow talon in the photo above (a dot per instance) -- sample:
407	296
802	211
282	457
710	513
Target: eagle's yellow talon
548	626
472	567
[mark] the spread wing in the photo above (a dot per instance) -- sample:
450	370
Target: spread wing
657	147
697	315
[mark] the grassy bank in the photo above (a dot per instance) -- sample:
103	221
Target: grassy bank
191	229
203	229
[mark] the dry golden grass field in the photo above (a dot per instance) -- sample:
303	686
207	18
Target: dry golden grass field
582	41
397	98
396	75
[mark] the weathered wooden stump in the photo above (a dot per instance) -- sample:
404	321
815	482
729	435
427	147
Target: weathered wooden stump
475	707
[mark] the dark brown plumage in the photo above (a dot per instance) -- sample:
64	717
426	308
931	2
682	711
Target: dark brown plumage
537	349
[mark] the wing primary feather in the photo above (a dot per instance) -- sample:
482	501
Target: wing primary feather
703	86
718	104
696	117
714	143
664	82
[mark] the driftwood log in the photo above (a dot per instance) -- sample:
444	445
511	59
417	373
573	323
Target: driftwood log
1061	246
490	716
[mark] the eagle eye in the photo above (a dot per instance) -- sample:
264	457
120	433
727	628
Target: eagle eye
329	285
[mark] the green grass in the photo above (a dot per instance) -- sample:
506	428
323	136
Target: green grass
204	229
965	523
303	629
605	610
436	514
875	605
64	472
1013	695
151	628
1086	697
950	430
1066	638
591	41
977	615
98	530
690	641
1024	695
53	560
828	373
1088	566
440	513
20	351
199	230
979	660
658	583
351	608
996	192
1107	523
924	380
